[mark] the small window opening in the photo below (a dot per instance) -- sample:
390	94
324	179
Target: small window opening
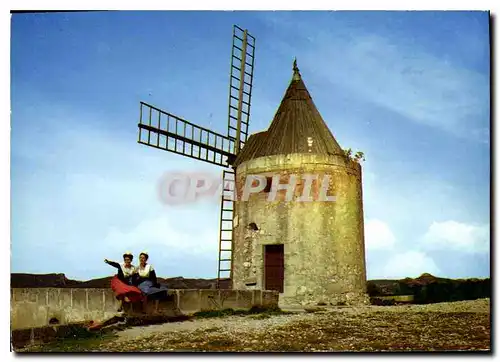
53	320
253	226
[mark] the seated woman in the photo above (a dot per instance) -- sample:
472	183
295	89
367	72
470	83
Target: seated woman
122	283
145	279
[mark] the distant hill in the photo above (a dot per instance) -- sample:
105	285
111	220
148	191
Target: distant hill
425	289
21	280
430	289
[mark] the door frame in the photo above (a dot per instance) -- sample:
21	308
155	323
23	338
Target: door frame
264	265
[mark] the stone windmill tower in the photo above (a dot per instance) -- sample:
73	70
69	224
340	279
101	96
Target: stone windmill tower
312	252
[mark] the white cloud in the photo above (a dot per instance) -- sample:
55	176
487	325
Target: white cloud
378	235
162	232
455	236
88	195
408	264
394	74
426	89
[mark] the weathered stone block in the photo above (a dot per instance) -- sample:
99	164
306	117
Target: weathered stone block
170	305
65	297
95	300
52	297
245	298
189	300
111	304
40	316
229	299
24	295
26	315
210	300
79	299
257	297
270	298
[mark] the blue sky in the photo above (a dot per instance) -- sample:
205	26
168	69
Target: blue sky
409	89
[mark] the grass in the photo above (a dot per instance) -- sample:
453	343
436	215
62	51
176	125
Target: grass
255	310
81	341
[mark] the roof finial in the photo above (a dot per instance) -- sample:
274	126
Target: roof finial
296	73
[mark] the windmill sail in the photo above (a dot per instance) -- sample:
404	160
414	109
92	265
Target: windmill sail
240	87
165	131
240	96
226	227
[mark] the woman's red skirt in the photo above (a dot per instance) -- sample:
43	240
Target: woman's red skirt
123	290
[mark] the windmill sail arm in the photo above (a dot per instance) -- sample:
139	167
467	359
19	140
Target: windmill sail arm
163	130
184	139
240	86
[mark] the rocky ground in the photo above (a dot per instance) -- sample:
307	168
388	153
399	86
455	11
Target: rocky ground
433	327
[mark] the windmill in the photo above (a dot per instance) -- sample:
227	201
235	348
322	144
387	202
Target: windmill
163	130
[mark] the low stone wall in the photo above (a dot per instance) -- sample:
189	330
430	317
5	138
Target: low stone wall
41	307
194	300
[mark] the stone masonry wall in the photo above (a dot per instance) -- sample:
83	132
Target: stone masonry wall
323	241
41	307
36	307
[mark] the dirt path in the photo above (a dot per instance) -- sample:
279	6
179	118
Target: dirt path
443	326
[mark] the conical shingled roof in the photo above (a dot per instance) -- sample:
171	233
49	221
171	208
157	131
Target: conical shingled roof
251	147
297	127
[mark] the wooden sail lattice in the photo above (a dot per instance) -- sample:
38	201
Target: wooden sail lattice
168	132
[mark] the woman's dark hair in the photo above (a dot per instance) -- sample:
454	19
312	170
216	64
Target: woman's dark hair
145	255
128	256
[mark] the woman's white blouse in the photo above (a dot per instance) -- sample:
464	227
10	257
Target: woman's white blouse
127	272
144	272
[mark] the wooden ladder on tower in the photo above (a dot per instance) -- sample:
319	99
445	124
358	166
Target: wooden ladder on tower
225	262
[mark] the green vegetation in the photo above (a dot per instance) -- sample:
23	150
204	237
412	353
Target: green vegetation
81	340
429	289
255	310
358	156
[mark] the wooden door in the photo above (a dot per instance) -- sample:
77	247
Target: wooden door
274	267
